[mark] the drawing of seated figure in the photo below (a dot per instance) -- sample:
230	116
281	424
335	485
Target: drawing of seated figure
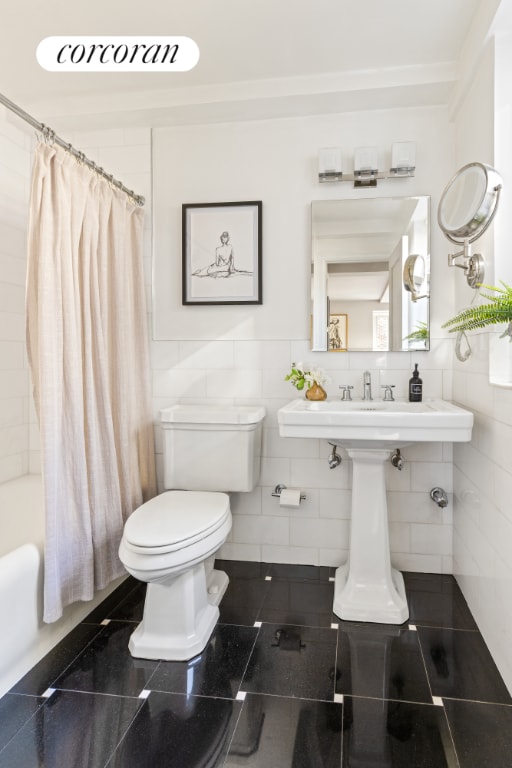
224	264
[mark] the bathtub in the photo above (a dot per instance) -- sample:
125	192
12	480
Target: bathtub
24	638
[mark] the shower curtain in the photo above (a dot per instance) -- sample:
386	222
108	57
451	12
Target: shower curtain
88	353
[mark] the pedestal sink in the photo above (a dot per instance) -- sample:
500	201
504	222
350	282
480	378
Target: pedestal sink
367	588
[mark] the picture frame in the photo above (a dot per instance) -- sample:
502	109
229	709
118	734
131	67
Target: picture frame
222	253
337	335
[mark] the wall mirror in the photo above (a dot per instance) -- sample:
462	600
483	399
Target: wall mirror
466	208
363	270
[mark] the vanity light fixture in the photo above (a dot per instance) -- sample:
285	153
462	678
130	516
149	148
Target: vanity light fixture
366	166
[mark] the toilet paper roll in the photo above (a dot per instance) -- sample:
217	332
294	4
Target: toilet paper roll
290	497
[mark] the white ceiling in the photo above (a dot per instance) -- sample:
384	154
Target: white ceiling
257	57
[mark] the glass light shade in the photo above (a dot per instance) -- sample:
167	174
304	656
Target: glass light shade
403	156
329	161
365	159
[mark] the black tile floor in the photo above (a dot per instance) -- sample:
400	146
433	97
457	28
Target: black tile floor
283	683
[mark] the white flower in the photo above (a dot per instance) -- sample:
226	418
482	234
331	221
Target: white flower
318	375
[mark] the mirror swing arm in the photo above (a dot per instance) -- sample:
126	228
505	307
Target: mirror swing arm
473	264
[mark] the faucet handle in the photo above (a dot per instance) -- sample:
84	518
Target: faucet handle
388	394
346	391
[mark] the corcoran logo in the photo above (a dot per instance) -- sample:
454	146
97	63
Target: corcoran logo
117	54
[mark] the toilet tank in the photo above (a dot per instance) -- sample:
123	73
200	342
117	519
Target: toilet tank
212	448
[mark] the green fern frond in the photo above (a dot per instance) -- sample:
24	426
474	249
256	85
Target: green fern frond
482	315
420	334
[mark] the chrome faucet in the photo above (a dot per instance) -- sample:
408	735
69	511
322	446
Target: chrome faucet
367	386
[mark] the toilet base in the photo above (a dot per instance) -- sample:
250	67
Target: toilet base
180	614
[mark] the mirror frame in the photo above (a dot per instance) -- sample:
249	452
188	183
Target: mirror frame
477	221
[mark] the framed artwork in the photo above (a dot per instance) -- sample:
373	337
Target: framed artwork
221	253
338	333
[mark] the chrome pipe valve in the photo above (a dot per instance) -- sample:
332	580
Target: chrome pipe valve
438	495
334	459
397	460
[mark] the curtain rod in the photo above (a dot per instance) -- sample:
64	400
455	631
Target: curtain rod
51	137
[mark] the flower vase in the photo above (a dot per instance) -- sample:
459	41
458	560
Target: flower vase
316	392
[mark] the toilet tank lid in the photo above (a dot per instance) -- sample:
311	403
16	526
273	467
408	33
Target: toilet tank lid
213	414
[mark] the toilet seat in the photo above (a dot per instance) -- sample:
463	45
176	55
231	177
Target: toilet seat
174	520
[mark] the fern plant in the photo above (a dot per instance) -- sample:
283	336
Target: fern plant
420	334
499	310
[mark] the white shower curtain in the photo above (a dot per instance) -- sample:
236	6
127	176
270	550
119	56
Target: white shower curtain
88	352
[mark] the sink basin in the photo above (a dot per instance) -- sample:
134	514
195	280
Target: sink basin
375	423
367	587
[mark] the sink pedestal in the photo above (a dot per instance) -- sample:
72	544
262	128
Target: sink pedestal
367	588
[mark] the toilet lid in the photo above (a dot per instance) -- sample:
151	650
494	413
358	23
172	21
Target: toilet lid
176	516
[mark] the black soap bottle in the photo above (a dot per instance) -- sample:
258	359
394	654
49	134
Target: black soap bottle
415	386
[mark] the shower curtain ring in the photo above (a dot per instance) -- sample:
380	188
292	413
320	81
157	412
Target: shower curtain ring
47	134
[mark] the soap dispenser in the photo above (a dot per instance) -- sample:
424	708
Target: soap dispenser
415	386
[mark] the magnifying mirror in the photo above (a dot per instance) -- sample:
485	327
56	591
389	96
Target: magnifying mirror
414	274
467	207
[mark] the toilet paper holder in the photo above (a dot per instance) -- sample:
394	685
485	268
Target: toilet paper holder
281	487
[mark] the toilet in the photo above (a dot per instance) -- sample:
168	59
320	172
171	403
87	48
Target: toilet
170	541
